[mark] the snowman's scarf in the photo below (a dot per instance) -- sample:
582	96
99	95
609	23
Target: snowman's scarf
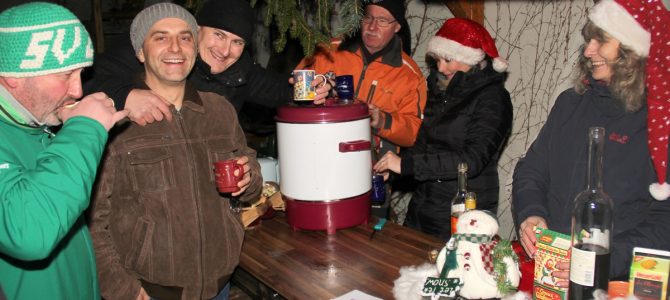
450	261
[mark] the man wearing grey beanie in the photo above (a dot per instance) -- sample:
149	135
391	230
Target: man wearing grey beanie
160	227
223	66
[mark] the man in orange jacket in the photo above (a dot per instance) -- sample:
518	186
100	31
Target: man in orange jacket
384	74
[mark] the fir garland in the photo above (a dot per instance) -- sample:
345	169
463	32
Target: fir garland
501	250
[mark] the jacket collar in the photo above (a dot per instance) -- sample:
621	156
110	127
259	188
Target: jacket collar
391	57
604	100
234	76
191	100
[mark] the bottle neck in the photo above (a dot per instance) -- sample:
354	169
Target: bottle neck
462	182
595	170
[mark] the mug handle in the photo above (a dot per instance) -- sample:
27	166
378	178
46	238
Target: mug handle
325	79
240	170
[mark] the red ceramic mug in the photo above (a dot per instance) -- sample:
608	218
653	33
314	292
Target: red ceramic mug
224	174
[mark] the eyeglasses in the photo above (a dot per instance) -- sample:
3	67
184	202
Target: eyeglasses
381	22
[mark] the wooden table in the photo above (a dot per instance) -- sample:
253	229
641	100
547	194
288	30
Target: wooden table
314	265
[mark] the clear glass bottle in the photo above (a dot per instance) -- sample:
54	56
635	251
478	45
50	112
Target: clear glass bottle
591	227
458	202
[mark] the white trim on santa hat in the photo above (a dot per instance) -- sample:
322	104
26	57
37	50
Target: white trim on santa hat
452	50
620	24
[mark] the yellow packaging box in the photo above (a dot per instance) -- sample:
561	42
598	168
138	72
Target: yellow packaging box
649	274
552	247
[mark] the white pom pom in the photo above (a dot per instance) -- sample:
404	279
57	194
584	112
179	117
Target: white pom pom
660	192
500	65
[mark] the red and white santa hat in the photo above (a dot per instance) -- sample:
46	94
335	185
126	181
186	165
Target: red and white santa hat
465	41
642	26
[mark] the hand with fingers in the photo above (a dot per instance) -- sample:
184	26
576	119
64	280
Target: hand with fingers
145	107
246	180
377	117
322	89
562	274
527	233
388	162
96	106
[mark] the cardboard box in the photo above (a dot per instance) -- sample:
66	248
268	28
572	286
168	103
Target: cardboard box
552	247
649	274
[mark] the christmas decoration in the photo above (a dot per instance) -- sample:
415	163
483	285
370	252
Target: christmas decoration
475	264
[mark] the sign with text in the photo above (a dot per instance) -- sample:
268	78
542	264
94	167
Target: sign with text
441	287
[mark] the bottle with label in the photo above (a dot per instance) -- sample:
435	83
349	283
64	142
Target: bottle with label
458	202
591	228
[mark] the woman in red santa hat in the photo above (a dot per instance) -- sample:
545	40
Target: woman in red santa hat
468	118
609	92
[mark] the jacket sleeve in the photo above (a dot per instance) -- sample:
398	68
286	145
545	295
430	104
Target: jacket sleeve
486	133
531	175
653	233
401	126
115	282
113	73
263	87
40	203
254	190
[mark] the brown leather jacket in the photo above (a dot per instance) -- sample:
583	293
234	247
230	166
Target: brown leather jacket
157	218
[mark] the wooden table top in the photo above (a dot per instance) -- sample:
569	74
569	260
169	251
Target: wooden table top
314	265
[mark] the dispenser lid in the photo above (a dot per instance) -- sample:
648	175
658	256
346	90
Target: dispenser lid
331	111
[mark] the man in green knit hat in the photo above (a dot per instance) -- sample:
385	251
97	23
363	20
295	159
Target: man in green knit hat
46	179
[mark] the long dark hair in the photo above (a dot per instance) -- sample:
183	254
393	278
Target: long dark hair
628	71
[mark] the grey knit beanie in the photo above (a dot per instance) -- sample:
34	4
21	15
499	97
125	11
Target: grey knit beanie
152	14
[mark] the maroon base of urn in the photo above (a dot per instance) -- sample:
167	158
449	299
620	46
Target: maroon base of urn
328	216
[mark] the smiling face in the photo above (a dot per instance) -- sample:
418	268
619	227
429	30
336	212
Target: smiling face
375	38
602	54
168	52
219	48
43	95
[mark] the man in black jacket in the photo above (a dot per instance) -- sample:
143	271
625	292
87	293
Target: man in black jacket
222	66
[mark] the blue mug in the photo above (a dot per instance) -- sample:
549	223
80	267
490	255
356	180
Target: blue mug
344	86
378	195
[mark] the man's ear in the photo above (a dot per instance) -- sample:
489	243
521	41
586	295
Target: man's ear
140	55
397	27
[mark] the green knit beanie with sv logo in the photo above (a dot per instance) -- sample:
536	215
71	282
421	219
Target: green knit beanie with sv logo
42	38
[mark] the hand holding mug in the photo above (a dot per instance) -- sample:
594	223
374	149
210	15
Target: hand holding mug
232	176
304	88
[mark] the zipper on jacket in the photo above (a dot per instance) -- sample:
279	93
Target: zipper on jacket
191	163
360	80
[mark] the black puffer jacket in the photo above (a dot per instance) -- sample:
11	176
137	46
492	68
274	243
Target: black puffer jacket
243	81
468	122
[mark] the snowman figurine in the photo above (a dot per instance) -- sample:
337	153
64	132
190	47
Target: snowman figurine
486	265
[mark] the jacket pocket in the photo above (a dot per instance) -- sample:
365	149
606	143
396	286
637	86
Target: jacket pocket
139	255
151	169
223	148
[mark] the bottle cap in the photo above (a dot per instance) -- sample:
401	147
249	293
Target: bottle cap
462	167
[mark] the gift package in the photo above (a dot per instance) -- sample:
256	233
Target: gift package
552	247
649	274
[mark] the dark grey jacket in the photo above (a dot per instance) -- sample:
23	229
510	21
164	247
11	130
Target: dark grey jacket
468	122
553	172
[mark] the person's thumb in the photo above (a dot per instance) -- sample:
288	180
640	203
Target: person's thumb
119	115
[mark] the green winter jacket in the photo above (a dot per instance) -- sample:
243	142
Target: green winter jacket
45	185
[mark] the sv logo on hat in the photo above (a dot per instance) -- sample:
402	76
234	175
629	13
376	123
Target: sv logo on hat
40	50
